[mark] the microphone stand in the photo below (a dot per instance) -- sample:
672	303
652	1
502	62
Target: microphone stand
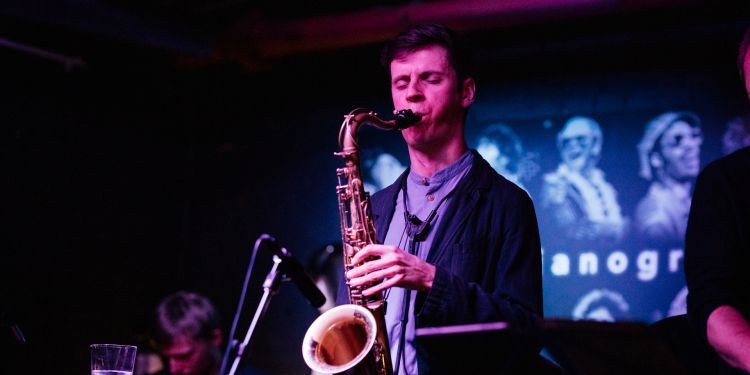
270	287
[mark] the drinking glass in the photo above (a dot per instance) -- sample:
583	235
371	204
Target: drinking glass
111	359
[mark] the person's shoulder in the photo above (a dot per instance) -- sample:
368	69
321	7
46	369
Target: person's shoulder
739	158
555	177
645	206
733	166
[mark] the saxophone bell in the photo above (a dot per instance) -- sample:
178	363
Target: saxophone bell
340	339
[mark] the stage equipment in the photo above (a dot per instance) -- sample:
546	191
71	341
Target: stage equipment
353	336
284	267
294	270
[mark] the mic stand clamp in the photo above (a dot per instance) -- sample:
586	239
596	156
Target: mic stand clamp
270	287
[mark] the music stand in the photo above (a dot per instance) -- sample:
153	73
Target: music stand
483	348
588	347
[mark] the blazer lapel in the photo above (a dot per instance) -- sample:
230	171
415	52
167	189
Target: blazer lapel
463	202
385	205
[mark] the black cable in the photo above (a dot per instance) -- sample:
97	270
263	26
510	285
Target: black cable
404	316
416	231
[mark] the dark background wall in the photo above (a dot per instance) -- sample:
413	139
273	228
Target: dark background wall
134	177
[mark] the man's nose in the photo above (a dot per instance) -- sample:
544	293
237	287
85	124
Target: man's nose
691	144
414	92
697	141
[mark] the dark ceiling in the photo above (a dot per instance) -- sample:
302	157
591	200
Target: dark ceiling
255	33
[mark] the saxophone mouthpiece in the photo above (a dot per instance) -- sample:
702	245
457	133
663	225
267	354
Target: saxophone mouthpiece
406	118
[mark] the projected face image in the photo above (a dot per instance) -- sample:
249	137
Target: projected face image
386	170
670	159
579	201
491	152
680	148
578	144
502	148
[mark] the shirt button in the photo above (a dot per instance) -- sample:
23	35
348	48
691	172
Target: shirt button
430	197
424	181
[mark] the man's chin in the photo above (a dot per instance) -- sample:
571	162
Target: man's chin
413	134
417	143
689	174
576	165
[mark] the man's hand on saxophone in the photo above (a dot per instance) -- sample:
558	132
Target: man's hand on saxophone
396	266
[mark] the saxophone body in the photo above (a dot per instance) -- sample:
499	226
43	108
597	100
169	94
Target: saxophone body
353	338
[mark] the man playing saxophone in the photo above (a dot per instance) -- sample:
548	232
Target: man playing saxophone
460	242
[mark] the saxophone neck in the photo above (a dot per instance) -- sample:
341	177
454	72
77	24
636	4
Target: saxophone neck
402	120
360	117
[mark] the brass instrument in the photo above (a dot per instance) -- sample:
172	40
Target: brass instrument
354	336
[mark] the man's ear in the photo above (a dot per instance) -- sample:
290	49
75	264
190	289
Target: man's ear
216	337
656	160
468	90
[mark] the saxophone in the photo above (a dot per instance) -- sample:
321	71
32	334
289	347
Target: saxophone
354	337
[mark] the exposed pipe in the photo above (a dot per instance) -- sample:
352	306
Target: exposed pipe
68	62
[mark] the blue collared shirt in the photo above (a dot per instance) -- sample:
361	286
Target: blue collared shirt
424	194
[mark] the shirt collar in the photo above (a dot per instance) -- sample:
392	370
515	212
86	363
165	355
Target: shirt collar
446	174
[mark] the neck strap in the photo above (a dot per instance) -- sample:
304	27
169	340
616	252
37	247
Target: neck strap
416	228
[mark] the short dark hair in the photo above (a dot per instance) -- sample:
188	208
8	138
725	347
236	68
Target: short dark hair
185	314
744	47
421	36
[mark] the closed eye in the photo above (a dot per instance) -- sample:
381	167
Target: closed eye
400	83
431	77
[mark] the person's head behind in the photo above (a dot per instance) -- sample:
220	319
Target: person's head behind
736	135
670	147
430	74
580	143
187	333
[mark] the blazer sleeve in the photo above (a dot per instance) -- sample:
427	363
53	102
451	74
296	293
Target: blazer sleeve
711	249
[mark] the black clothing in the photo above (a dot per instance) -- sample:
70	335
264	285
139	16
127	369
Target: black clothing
717	242
486	252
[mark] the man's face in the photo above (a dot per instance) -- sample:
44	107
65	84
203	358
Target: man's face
425	82
187	356
577	144
680	148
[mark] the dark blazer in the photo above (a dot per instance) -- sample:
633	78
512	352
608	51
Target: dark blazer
486	252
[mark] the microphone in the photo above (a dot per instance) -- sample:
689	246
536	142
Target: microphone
293	269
